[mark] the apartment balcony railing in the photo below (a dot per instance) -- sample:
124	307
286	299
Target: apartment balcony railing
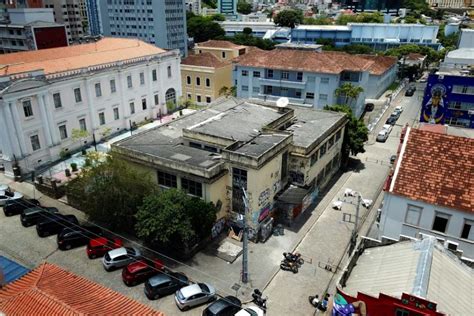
283	83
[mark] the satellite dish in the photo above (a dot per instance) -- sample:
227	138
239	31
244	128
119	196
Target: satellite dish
282	102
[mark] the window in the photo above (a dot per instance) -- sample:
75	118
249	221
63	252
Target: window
245	73
466	230
223	55
188	79
57	100
338	135
270	73
322	150
77	95
170	96
35	142
82	124
129	81
299	76
324	80
62	131
113	88
413	215
256	74
323	97
402	312
314	157
440	222
153	75
102	118
142	78
268	89
191	187
157	99
245	88
198	98
27	108
167	180
116	114
98	90
285	75
132	107
169	71
256	89
144	103
208	82
330	142
298	94
208	99
309	95
198	81
189	96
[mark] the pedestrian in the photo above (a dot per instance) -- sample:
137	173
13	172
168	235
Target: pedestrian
325	302
315	300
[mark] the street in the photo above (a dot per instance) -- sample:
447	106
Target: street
322	239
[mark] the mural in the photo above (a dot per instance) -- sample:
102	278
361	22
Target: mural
433	110
343	308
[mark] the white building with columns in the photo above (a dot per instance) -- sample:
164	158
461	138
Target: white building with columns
98	87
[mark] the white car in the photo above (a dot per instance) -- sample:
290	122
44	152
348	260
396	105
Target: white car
387	127
399	109
120	257
7	195
382	136
251	311
4	187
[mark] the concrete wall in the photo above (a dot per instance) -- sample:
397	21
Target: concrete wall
378	84
220	190
393	222
25	16
221	53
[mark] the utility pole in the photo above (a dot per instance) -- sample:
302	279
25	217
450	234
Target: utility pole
245	240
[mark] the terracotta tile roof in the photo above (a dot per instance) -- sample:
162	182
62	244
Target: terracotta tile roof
61	59
219	44
204	60
380	63
437	169
415	56
323	62
50	290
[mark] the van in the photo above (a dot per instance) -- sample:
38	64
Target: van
55	223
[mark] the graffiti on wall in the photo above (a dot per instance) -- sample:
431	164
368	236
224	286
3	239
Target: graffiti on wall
433	110
217	228
264	197
276	187
261	214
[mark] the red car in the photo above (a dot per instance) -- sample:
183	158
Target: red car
98	247
141	270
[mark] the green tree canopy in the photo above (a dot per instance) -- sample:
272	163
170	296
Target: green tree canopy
289	18
349	91
249	40
404	50
356	133
110	192
171	217
204	28
364	17
209	4
317	21
218	17
247	31
244	7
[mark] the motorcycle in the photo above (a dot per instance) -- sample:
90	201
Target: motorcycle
289	266
294	257
259	300
314	300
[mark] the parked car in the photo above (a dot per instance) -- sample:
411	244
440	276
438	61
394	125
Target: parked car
139	271
98	247
7	195
31	216
399	109
251	311
16	207
369	107
229	305
194	295
387	127
54	224
409	92
391	120
4	187
165	284
120	257
72	237
393	158
382	136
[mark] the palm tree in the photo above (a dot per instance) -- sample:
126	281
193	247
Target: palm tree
226	91
349	91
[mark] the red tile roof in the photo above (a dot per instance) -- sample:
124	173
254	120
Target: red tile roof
61	59
219	44
437	169
204	60
323	62
50	290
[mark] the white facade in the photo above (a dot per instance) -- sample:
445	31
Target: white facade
38	112
259	29
467	39
405	217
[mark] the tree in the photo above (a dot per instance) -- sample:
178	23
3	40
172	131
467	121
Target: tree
356	133
203	29
357	49
171	217
79	135
218	17
317	21
110	192
244	7
226	91
247	31
209	4
249	40
288	18
349	92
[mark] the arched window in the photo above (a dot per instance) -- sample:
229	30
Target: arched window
188	80
198	81
170	96
208	82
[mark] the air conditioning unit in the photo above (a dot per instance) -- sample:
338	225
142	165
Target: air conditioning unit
451	245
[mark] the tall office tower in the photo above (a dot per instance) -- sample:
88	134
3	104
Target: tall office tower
67	12
227	7
93	17
161	23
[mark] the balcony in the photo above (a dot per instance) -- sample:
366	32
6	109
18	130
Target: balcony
282	83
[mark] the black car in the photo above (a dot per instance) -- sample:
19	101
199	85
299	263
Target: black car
16	207
410	92
72	237
55	223
391	120
228	305
369	107
31	216
165	284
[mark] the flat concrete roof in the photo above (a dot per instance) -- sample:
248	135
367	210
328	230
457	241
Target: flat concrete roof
261	144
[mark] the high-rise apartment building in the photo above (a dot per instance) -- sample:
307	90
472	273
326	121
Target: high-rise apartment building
68	12
227	7
162	23
93	17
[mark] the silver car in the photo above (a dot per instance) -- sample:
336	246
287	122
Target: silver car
8	195
194	295
120	257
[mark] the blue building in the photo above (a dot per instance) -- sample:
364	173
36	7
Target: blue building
310	78
310	34
93	17
449	99
227	7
